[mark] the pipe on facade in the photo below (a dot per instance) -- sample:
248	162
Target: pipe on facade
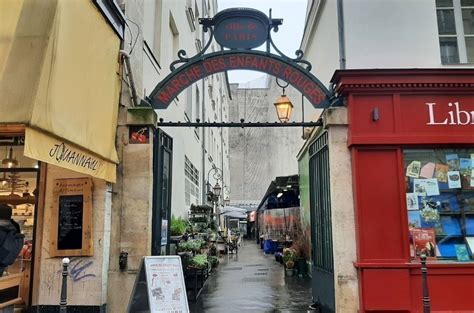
124	54
340	28
203	134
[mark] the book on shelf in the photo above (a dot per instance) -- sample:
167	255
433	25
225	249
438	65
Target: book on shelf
424	242
469	225
470	244
414	219
461	252
446	249
451	226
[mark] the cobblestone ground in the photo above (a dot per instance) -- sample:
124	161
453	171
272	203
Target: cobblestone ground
251	281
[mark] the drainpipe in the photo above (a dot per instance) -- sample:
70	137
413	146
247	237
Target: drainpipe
340	28
124	54
203	134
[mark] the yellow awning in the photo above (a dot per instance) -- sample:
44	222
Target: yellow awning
59	70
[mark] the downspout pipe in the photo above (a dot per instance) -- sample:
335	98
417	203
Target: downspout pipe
340	28
126	56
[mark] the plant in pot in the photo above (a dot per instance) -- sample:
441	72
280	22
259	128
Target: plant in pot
178	226
289	258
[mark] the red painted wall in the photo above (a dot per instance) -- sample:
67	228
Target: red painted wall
390	110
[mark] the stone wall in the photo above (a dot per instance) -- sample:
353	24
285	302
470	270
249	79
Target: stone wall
258	155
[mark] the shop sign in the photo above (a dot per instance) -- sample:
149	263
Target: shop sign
456	115
139	135
227	60
240	28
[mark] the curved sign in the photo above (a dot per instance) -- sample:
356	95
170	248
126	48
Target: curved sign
241	28
196	69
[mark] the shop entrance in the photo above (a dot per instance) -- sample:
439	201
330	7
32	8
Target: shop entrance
19	186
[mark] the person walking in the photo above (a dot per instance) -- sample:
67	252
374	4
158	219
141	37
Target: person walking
11	238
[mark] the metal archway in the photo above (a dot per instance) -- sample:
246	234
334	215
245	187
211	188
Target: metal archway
239	30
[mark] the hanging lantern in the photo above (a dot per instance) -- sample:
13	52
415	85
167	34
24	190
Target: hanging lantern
283	107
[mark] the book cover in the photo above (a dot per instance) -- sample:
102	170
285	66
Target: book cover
448	203
441	173
454	179
447	249
461	252
424	242
470	244
465	166
451	226
412	201
452	160
470	226
413	169
426	187
414	219
427	171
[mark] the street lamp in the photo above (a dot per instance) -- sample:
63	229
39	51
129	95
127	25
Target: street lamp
283	105
217	189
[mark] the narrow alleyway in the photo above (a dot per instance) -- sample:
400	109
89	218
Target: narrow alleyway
252	282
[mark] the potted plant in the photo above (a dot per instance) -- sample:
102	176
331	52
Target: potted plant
289	258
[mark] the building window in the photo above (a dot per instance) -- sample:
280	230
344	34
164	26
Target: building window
190	15
456	30
175	34
440	202
191	184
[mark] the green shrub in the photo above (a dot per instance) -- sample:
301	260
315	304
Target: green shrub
178	226
199	261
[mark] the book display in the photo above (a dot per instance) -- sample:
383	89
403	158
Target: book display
440	202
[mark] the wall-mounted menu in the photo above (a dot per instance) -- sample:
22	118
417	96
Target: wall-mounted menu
71	228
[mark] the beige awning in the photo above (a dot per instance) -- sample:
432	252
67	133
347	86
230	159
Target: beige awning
59	70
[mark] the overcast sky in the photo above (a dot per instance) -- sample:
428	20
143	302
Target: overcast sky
288	37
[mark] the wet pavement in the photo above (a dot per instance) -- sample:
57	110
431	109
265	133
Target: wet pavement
251	281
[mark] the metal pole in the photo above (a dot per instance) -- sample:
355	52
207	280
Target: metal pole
424	279
63	300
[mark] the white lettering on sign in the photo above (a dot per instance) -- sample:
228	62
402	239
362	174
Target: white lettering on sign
455	117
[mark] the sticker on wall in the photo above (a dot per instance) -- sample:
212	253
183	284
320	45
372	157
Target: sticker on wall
453	162
441	173
427	171
412	201
454	179
413	169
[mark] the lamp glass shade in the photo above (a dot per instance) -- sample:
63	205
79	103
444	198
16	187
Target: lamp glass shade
217	189
283	107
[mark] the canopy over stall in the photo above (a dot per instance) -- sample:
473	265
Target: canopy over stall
59	74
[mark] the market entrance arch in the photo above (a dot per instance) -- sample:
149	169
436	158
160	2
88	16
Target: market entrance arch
238	31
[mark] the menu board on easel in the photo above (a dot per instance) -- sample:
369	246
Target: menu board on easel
159	286
71	231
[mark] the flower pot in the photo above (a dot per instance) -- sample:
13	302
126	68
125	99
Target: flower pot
289	271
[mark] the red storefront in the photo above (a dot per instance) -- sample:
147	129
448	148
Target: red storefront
411	136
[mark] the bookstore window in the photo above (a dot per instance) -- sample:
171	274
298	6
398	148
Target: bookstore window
440	202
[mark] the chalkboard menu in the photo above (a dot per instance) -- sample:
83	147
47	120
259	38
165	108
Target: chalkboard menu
71	229
70	222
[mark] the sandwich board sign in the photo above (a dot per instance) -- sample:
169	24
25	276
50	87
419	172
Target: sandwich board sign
159	286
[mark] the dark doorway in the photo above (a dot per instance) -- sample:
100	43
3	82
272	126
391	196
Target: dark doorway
162	173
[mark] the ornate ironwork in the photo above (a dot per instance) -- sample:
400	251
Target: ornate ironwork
229	28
